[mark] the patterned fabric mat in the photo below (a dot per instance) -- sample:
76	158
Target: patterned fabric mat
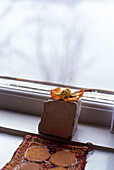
20	159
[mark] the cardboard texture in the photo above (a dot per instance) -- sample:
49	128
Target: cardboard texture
60	118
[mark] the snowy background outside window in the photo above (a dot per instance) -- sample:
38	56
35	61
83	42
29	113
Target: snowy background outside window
62	41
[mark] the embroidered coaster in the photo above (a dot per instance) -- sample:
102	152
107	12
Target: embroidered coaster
36	153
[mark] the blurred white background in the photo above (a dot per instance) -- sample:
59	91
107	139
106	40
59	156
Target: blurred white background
62	41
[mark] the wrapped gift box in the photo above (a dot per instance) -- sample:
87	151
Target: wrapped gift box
60	118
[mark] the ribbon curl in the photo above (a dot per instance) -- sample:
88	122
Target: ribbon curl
66	94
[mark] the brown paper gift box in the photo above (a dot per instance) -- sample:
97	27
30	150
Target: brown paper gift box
60	118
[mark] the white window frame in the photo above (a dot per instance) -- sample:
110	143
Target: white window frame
112	123
27	100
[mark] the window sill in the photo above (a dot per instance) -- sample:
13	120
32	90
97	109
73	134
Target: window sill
14	126
92	112
23	123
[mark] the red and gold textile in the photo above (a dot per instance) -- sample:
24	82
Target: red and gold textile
19	160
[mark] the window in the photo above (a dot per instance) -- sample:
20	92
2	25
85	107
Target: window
28	97
68	42
48	43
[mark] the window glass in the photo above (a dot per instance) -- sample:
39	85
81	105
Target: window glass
61	41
